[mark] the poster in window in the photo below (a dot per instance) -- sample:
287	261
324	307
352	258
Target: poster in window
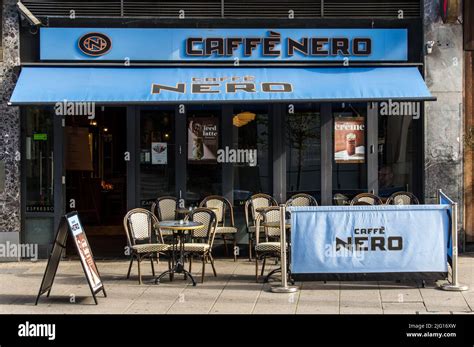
349	140
85	252
78	149
203	137
159	153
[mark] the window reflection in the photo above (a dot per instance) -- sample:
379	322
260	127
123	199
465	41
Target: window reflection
39	159
303	151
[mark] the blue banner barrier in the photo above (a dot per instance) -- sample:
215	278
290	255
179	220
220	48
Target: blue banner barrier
444	200
370	239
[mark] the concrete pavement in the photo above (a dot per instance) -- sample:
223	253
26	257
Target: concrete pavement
233	291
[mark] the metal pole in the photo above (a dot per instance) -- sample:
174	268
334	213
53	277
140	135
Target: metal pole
454	285
283	288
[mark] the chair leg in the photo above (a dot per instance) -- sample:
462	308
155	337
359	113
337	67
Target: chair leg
250	248
190	262
139	271
256	268
226	251
212	264
169	268
152	266
235	245
130	266
203	268
263	265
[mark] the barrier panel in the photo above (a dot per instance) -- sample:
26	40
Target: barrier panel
337	242
372	243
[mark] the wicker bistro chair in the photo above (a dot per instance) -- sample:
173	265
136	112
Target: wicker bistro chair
251	205
341	199
301	200
402	198
366	199
223	229
270	247
164	208
139	225
202	239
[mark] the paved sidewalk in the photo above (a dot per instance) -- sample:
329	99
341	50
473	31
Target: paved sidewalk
233	291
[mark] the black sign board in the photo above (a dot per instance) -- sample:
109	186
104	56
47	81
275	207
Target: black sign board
70	222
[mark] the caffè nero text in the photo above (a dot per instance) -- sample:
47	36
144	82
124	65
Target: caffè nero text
274	46
216	85
370	239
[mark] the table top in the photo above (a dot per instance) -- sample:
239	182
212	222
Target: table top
176	225
276	224
187	210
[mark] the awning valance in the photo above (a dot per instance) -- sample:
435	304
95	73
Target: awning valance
135	85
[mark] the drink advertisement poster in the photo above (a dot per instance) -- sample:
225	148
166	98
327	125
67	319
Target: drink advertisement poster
203	140
84	252
159	153
349	140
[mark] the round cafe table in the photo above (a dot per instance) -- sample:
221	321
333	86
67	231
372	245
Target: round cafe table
179	233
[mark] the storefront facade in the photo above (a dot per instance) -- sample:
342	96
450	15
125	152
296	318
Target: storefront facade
114	116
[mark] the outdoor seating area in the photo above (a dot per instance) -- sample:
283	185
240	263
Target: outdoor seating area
180	235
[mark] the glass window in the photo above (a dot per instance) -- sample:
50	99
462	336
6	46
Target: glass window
252	163
350	159
253	169
303	151
39	159
157	157
204	172
396	153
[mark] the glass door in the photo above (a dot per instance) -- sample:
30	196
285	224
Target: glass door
157	154
95	170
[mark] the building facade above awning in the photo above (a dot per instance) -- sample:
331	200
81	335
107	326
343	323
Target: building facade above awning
134	85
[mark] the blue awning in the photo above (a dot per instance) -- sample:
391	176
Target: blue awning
107	85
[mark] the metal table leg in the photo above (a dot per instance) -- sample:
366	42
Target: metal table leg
178	266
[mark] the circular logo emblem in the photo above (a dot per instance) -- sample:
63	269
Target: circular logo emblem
95	44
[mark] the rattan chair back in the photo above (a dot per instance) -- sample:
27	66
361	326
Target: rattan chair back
402	198
368	198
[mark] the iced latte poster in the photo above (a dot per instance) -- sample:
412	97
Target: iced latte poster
349	140
203	137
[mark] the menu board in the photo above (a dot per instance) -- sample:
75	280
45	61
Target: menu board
203	140
70	222
85	253
349	140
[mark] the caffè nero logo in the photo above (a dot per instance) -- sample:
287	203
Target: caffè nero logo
273	45
225	84
95	44
370	239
